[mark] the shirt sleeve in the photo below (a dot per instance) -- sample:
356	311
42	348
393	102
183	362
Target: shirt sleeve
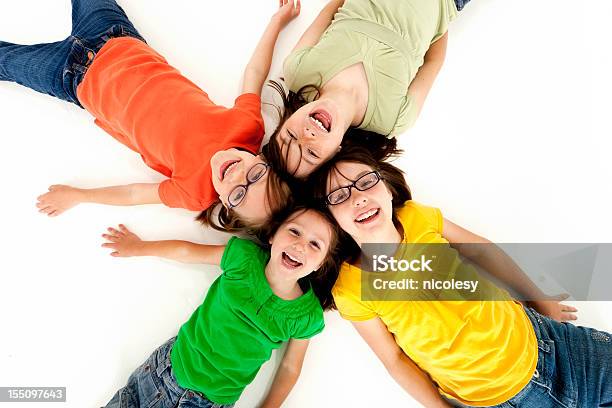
172	195
352	308
433	216
239	258
291	66
406	118
309	325
250	104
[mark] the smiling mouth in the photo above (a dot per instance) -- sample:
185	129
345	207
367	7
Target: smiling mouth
226	168
322	119
368	216
290	262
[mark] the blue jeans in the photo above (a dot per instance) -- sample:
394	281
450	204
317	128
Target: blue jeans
461	4
153	385
574	368
57	68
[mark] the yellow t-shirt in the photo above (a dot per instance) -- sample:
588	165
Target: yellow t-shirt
480	353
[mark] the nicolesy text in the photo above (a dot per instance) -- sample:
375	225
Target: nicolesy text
384	263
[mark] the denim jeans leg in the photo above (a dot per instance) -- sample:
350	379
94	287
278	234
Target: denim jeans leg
574	367
461	4
147	386
39	67
92	18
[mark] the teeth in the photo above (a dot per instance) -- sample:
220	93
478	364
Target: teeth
292	258
318	123
366	215
229	167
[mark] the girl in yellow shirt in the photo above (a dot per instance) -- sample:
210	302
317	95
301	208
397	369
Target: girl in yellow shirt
462	352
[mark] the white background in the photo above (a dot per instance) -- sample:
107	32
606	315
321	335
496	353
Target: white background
513	143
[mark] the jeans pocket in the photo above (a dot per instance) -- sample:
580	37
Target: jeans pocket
552	384
80	57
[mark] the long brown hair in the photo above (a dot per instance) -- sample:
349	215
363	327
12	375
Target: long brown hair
380	147
323	279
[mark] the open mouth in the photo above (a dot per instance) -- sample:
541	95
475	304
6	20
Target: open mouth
368	216
322	119
290	262
227	167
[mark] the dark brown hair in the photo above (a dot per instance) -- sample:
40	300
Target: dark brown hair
380	147
392	176
323	279
218	217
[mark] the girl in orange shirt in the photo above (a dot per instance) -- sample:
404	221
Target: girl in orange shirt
207	152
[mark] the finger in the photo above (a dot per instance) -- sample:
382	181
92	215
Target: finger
53	187
562	296
111	238
47	210
115	232
44	208
298	6
42	205
568	317
123	228
54	213
115	254
568	308
108	245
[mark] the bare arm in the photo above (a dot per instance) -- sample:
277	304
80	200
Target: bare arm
403	370
125	243
61	198
423	81
287	374
313	33
495	261
257	69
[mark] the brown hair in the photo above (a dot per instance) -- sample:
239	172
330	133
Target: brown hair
323	279
392	176
380	147
220	218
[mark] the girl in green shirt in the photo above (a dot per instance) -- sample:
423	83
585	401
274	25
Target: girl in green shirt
364	67
262	299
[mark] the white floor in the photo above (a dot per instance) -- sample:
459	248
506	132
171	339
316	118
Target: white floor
513	143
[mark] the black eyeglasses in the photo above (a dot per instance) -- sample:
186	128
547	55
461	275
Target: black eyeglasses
363	183
255	173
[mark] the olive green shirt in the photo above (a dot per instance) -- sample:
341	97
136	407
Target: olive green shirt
390	38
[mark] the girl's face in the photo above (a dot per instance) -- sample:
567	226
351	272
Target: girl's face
230	169
301	244
311	136
364	212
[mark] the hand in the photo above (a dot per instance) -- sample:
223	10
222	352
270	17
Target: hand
287	11
60	198
554	309
123	241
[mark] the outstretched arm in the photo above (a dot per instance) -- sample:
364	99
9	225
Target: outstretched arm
423	81
125	243
313	33
61	198
287	374
495	261
257	69
403	370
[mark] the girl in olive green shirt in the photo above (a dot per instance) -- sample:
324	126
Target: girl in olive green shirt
364	64
261	300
